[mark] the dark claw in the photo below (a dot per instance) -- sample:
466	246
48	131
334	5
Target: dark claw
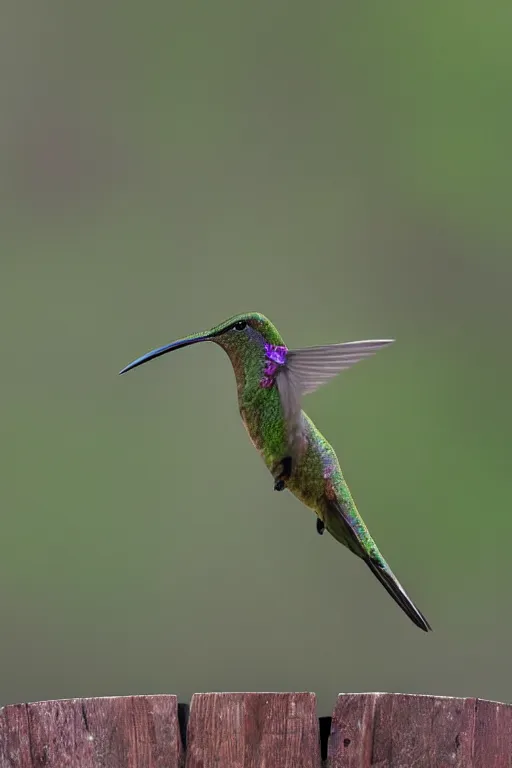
320	526
287	468
286	471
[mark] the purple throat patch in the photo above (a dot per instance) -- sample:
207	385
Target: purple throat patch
276	356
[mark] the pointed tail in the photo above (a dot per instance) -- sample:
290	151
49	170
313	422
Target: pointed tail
345	524
397	592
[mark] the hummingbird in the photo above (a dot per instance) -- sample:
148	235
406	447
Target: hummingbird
271	381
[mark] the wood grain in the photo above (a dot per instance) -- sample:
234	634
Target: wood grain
253	730
379	730
117	732
257	730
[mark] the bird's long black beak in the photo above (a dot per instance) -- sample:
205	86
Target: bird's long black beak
194	339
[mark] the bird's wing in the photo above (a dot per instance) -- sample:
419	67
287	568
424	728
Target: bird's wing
313	366
307	369
289	394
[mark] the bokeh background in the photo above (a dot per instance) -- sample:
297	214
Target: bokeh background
344	168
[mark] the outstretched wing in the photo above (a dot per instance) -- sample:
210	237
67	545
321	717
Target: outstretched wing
313	366
307	369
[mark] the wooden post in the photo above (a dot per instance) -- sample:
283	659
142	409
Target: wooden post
117	732
402	730
248	730
257	730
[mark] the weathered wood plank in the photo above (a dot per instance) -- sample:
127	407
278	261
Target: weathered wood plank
492	734
251	730
257	730
117	732
14	737
408	731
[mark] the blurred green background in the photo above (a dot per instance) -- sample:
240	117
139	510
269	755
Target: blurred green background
343	168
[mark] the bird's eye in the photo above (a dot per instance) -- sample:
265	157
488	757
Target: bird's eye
240	325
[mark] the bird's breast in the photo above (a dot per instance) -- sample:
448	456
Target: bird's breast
263	419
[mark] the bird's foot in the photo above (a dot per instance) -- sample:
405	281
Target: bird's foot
320	526
286	470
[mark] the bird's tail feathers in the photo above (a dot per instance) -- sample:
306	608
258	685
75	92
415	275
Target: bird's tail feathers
397	592
347	527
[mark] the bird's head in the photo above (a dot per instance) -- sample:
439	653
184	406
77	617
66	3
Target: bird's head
244	337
